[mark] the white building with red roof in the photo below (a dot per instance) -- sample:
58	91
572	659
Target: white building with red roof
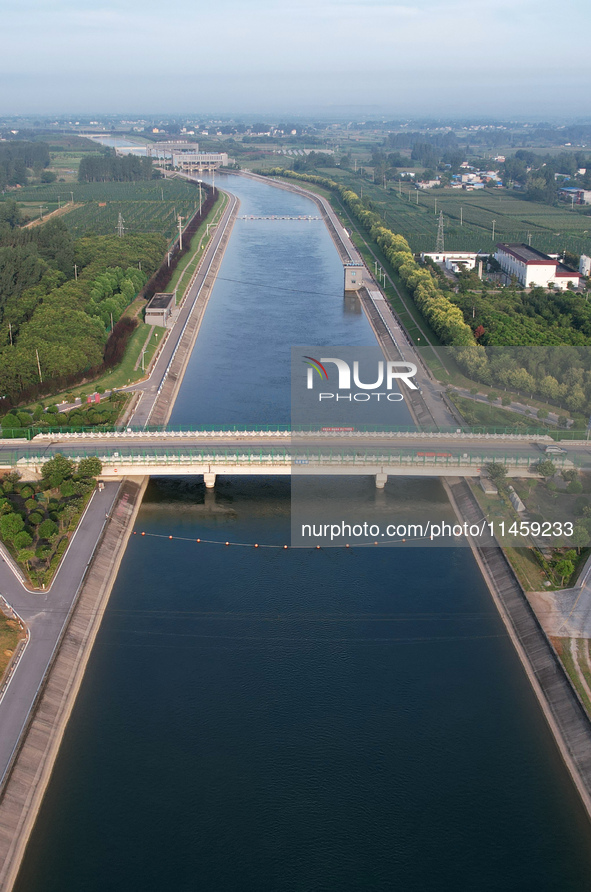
533	268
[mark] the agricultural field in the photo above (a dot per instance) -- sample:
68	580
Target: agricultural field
468	217
145	206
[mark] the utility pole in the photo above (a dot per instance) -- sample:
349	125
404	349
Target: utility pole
199	181
493	229
10	331
180	232
76	271
41	211
112	326
435	205
461	216
529	239
120	226
39	366
72	194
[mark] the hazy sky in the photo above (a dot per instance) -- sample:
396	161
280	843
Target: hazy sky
525	57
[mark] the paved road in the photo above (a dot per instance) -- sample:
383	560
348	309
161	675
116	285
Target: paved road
150	388
194	442
45	614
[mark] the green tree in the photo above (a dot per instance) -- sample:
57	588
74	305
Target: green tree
564	569
496	471
546	468
10	526
57	469
580	537
25	556
47	529
22	540
90	467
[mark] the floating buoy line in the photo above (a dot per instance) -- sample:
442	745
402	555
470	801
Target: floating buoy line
282	547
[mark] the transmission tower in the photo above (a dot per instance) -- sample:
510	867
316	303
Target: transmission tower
120	226
440	246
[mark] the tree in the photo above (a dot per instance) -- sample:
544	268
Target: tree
26	555
564	568
496	471
580	537
10	526
546	468
57	469
90	467
47	529
22	540
542	413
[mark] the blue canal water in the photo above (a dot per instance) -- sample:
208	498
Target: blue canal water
267	719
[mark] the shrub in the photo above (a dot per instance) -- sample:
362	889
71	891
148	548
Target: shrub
10	421
575	486
47	529
30	504
35	518
22	540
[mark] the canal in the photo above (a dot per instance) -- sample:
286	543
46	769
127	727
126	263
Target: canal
271	719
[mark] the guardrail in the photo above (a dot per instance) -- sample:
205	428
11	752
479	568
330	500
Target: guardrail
311	458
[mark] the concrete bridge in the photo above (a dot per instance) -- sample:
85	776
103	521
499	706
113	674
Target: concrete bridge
262	452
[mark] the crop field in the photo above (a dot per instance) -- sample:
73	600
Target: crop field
468	219
138	216
145	206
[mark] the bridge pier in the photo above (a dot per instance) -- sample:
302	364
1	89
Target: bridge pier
381	480
209	479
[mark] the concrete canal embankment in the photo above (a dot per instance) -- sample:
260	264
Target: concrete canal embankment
34	758
562	709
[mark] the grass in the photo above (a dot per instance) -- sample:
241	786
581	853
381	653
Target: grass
527	569
562	647
10	635
182	274
477	413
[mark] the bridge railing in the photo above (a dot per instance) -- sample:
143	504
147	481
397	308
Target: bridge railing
178	430
303	459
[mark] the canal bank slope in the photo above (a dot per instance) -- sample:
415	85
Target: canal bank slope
565	714
33	761
562	709
29	771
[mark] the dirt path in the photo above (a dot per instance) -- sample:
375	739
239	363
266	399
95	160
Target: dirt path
59	212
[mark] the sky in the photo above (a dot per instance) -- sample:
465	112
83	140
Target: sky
421	57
